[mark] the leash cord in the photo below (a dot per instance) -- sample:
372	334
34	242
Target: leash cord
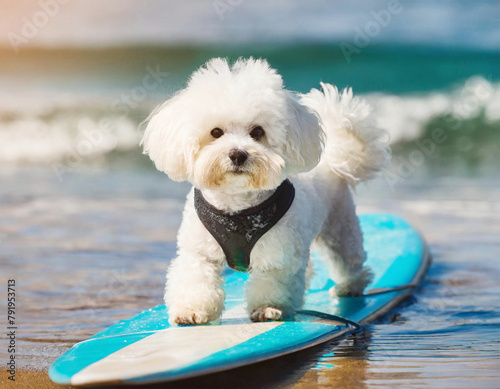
376	291
357	327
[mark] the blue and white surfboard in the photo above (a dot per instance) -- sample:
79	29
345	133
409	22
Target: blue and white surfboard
145	349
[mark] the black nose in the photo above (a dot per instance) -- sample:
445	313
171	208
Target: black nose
238	156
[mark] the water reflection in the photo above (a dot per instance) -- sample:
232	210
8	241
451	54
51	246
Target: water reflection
345	366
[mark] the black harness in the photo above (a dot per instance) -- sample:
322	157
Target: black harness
237	232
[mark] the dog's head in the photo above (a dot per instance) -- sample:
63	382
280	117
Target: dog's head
233	128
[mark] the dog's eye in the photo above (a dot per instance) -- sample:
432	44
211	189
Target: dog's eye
216	132
257	133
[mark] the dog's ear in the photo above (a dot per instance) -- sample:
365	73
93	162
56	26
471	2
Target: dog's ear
166	139
305	137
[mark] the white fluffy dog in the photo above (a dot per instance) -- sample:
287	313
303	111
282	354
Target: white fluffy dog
236	135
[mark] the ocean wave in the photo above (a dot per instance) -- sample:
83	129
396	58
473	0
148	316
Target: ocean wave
405	117
457	131
78	129
68	130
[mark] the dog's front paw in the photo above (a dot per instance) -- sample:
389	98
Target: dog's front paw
265	313
186	316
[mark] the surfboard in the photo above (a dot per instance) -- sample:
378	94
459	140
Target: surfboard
145	349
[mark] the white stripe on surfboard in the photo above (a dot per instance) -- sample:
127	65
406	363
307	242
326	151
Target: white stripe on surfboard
236	315
171	349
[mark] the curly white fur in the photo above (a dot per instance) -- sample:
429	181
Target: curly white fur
237	99
356	149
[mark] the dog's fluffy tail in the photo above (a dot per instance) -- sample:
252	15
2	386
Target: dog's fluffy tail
356	150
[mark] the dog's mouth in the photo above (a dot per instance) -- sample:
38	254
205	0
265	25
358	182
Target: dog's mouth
239	170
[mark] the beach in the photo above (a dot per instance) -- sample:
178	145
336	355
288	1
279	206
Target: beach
88	226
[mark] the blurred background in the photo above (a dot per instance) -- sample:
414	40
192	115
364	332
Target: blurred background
87	226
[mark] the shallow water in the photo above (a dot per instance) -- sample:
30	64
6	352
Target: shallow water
93	248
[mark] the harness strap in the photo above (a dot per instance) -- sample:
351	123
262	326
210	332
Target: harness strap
238	232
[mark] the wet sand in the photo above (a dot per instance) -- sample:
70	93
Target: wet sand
29	379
